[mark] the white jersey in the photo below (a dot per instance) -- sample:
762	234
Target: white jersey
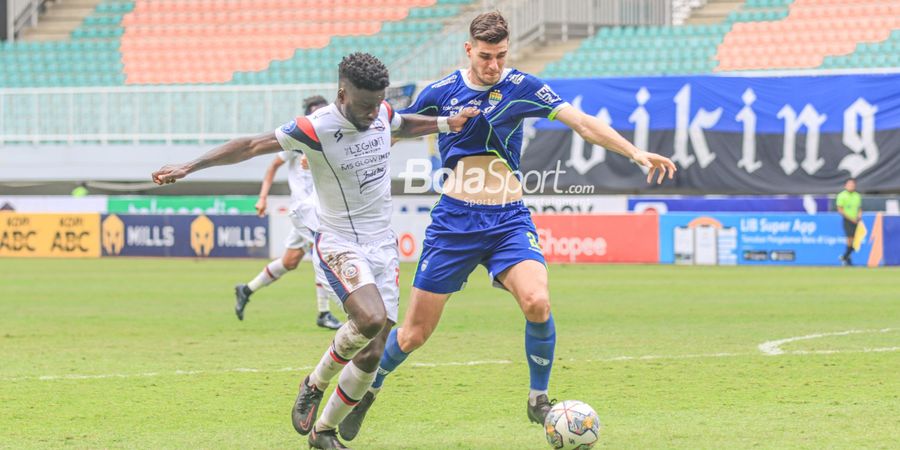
350	170
303	192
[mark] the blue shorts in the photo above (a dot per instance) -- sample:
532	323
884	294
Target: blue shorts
463	235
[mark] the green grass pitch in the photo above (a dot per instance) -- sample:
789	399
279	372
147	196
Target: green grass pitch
147	353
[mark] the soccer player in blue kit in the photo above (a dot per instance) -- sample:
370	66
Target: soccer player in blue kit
480	218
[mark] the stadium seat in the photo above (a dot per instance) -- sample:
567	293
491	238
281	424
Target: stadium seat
152	41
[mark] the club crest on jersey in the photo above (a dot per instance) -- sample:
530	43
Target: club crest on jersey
378	125
495	97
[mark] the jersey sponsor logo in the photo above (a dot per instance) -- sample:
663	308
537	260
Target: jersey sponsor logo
369	176
539	361
338	135
517	78
369	146
449	80
547	95
365	162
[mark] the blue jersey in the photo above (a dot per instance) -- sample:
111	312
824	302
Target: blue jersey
498	129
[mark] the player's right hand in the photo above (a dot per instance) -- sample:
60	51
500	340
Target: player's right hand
168	174
457	121
261	207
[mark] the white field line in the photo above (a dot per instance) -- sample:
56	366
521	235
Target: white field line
774	347
470	363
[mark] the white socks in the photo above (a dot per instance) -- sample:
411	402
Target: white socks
351	387
348	341
273	271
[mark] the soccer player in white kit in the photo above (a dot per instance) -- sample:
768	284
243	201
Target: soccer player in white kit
347	144
300	240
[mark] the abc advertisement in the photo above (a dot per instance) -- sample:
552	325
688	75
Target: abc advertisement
188	236
49	235
599	238
767	239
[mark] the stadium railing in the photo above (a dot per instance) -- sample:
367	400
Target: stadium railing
147	114
19	15
530	21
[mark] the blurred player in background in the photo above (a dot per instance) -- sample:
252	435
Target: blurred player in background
489	224
849	204
300	240
347	144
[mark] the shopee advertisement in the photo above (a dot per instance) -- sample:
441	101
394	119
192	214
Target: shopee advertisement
599	238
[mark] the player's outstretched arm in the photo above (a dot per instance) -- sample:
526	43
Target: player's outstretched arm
268	179
599	133
231	152
415	125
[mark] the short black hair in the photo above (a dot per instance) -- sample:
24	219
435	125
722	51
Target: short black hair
311	102
364	71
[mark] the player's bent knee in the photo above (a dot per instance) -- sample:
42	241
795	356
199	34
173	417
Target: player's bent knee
291	260
370	323
536	307
413	338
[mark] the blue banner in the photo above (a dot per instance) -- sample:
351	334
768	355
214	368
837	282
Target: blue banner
184	236
795	204
830	96
729	134
765	239
892	240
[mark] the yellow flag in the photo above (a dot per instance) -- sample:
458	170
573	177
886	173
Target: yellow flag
860	235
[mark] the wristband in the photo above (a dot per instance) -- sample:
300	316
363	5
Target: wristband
443	125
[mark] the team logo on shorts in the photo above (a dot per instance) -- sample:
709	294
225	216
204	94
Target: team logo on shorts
533	241
350	271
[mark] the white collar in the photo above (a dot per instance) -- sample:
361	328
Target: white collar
464	74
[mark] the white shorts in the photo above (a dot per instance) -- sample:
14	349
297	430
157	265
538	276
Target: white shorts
301	235
347	266
299	238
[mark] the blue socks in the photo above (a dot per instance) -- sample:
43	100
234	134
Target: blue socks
540	340
391	358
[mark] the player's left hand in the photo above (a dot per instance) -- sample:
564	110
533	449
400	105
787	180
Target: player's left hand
656	163
457	121
168	174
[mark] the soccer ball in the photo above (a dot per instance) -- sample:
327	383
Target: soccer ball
572	425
